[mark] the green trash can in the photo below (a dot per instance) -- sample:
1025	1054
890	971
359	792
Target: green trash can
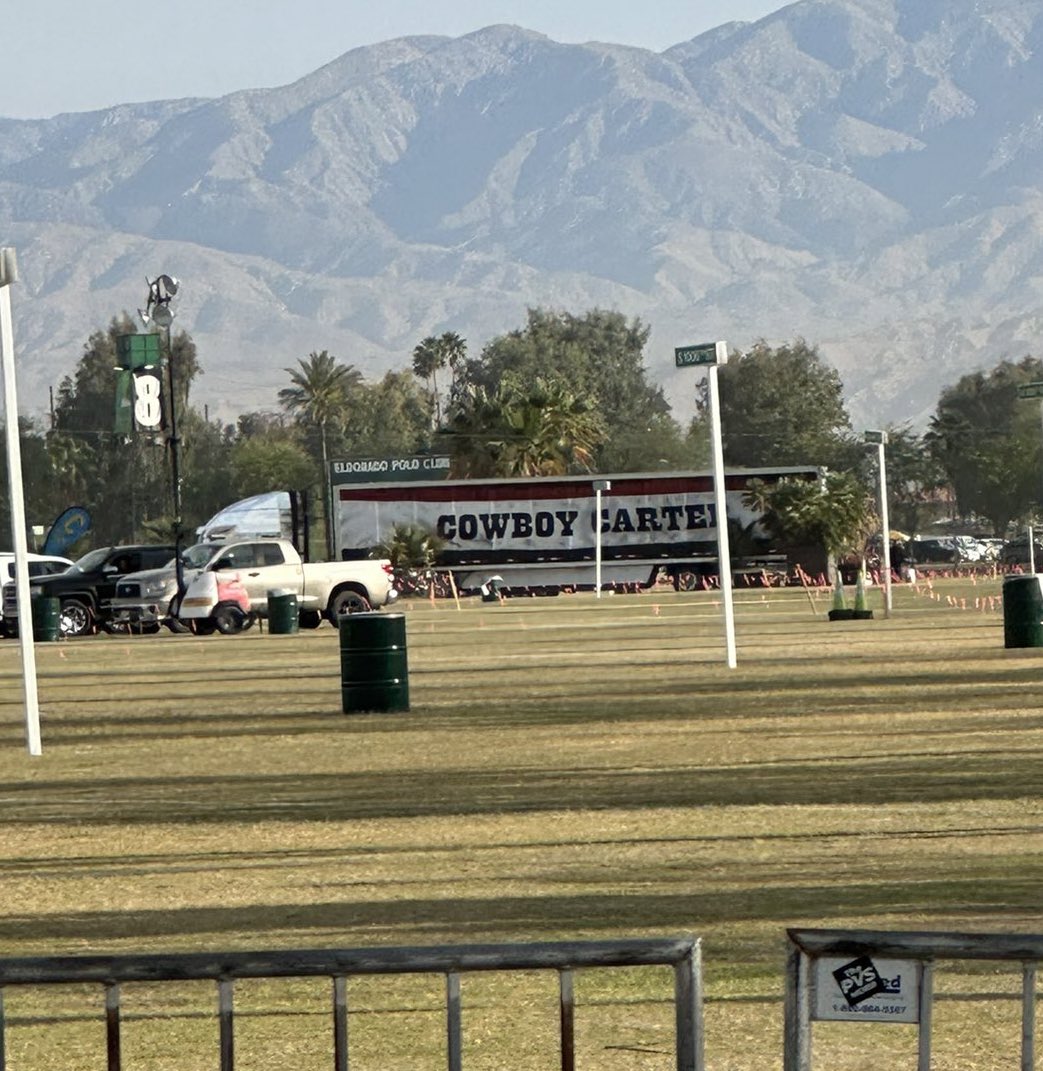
1023	611
374	674
283	618
47	618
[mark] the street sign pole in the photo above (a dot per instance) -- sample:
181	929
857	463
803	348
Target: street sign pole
712	355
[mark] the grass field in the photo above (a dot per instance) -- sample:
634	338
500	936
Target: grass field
571	768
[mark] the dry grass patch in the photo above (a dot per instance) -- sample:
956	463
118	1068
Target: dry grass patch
569	769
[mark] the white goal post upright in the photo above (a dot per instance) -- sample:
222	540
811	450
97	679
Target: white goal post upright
9	275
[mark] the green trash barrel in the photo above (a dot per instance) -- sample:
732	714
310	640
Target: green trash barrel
283	618
374	674
47	617
1023	611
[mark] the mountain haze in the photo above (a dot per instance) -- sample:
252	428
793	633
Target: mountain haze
865	173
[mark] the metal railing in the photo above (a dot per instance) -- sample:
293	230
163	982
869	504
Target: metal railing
224	969
808	973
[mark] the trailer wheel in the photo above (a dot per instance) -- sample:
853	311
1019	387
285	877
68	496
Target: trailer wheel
687	581
203	626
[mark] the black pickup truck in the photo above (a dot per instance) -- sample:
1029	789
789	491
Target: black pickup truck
88	585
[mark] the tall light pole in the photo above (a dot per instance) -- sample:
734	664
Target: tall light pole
599	486
879	440
9	275
161	291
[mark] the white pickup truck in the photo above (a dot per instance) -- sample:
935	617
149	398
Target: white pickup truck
323	589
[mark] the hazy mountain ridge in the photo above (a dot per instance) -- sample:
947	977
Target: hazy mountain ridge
866	173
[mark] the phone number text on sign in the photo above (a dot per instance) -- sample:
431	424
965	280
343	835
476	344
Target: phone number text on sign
843	991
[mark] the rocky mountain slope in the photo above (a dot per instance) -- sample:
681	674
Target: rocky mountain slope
865	173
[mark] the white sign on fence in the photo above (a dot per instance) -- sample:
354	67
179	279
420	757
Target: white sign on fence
864	988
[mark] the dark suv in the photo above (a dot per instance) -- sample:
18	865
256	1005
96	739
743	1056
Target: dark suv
1016	552
88	585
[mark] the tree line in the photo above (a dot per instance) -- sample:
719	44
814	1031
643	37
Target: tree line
562	394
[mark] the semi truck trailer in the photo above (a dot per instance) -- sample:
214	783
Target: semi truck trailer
542	532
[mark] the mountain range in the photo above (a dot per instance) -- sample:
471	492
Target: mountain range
865	174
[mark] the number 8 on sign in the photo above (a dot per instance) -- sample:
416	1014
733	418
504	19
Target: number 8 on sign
148	413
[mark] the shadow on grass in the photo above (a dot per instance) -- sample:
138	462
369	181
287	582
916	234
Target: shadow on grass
899	778
508	916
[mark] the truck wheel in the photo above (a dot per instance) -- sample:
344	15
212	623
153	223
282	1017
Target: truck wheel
348	602
177	626
310	618
203	626
230	620
77	618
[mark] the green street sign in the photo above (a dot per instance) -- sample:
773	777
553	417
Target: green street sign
1030	390
701	354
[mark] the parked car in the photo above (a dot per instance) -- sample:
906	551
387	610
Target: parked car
1016	552
933	550
39	565
86	588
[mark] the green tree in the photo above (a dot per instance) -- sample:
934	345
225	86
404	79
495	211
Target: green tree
914	478
537	428
207	465
410	546
600	356
986	441
393	416
123	482
782	406
320	397
38	482
261	464
835	513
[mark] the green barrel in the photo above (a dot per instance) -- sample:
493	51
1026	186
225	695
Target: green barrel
374	675
283	618
47	617
1023	611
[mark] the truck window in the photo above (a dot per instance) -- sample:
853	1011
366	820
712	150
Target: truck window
270	554
233	558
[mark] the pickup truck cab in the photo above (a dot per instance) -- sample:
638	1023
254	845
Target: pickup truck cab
217	575
85	590
146	600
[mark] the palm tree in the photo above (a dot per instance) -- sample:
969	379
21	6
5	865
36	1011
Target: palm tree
319	397
549	430
541	428
432	354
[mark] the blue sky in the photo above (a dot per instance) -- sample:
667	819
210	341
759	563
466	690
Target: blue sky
69	56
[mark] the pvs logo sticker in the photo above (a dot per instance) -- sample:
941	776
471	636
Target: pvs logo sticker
859	980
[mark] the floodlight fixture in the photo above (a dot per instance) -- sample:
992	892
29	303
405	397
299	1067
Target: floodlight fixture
161	292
